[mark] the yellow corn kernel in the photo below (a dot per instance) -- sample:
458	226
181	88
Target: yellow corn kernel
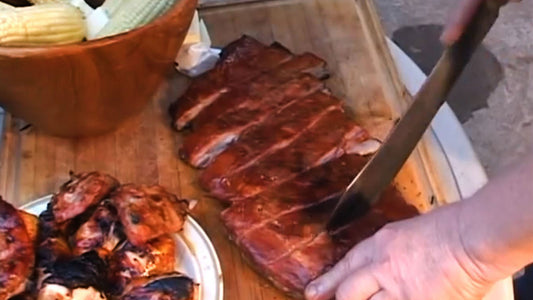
46	24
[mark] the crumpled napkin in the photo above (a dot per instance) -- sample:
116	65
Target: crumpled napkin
95	19
196	55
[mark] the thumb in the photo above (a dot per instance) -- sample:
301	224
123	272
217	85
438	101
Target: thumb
324	287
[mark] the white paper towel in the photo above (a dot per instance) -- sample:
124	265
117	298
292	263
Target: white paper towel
95	19
196	55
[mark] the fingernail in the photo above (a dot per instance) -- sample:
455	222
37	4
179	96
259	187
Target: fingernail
311	291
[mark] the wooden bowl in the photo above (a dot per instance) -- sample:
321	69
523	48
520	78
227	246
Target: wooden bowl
91	87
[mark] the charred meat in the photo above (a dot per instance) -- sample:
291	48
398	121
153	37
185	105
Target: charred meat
102	232
81	192
76	278
16	252
32	224
174	286
87	246
148	212
130	262
52	243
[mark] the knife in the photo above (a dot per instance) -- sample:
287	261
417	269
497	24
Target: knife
363	192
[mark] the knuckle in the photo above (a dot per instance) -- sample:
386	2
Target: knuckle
359	255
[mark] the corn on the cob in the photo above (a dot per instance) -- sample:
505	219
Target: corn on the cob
168	5
46	24
132	14
48	1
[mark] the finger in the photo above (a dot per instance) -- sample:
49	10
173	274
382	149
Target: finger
459	20
361	285
325	286
382	295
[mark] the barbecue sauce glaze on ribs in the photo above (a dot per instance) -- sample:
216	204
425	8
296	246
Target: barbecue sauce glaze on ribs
279	148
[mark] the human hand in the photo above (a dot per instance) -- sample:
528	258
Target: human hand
420	258
458	21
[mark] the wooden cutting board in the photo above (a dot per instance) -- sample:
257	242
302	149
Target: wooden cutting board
346	33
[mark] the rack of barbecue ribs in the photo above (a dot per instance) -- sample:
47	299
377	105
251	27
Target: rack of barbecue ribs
275	144
97	239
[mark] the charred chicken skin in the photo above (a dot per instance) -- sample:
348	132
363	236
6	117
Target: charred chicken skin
78	278
32	225
102	232
81	192
52	241
130	262
16	252
147	212
173	286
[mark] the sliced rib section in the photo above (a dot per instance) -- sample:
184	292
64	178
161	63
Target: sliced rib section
275	133
288	243
203	145
314	186
239	95
324	141
239	62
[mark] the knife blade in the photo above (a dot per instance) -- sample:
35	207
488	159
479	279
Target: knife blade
363	192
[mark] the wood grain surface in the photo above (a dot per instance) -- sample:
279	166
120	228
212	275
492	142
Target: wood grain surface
346	33
92	87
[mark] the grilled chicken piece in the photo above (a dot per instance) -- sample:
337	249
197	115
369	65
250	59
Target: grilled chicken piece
32	224
16	252
78	278
81	192
147	212
129	262
52	242
61	275
173	286
102	232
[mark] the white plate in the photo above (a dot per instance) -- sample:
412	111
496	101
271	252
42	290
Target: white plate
195	254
